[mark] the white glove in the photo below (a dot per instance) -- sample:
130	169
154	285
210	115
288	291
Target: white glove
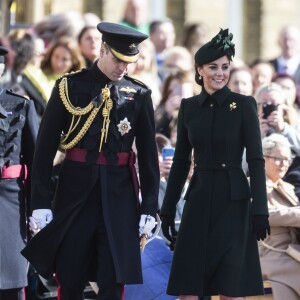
147	223
40	218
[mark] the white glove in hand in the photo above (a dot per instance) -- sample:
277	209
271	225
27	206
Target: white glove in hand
147	223
40	218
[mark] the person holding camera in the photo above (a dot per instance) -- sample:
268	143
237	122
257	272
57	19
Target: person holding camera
216	250
274	115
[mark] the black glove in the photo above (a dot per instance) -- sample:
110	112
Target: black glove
168	228
260	226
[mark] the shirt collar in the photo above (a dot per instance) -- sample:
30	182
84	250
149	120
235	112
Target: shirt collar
220	96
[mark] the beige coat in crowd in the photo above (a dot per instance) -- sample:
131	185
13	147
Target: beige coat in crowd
282	270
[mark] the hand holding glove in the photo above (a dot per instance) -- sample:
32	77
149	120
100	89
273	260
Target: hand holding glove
147	223
168	229
40	218
260	226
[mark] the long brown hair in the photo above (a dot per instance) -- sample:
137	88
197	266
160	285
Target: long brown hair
71	45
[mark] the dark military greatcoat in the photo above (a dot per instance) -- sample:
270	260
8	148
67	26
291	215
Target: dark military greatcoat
131	101
215	252
18	130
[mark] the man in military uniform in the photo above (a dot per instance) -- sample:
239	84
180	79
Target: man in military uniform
18	130
96	115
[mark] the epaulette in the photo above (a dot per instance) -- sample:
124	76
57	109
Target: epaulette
73	73
136	81
10	92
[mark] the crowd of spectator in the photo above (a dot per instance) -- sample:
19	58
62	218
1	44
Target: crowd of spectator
66	42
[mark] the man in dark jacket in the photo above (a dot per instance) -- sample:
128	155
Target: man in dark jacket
96	115
18	130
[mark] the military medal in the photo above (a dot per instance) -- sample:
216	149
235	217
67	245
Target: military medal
124	126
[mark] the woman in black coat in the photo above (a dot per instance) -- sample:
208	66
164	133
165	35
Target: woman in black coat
216	248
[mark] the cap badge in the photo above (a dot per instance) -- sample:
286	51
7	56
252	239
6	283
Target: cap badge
124	126
128	90
132	46
232	106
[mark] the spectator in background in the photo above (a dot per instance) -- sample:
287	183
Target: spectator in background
273	121
89	41
274	115
289	59
90	19
194	36
145	70
240	81
284	216
178	85
237	63
162	35
262	73
53	27
289	88
34	81
23	44
176	58
62	57
135	15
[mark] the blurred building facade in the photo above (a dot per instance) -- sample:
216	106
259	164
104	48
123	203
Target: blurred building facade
254	23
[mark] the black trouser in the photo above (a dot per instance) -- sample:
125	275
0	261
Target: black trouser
12	294
87	236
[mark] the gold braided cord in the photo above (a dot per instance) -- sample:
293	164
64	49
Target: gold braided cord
78	112
71	128
105	113
64	95
83	130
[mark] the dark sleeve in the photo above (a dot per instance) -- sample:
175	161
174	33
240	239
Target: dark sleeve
29	135
180	167
254	157
47	143
147	157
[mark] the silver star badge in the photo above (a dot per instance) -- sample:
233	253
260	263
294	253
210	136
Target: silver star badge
232	106
124	126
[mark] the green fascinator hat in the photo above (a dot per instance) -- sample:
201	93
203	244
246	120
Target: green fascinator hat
219	46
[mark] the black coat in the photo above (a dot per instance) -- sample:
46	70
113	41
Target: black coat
215	252
18	131
131	100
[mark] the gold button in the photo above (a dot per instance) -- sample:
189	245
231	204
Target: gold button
223	165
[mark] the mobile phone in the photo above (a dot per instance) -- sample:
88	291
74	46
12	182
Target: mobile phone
268	109
167	151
